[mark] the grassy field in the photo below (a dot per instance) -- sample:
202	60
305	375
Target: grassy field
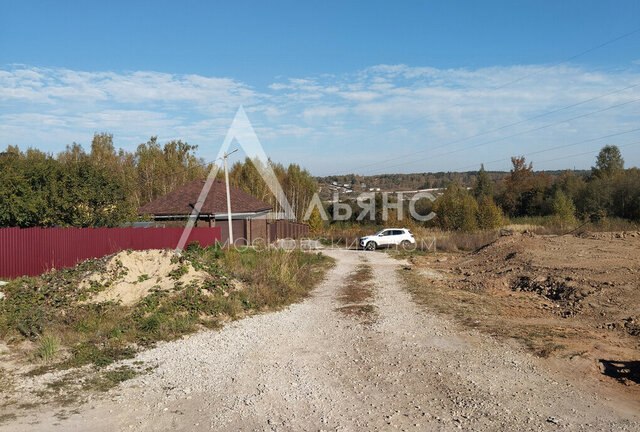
430	239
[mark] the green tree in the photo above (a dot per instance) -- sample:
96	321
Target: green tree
519	181
296	182
315	221
456	209
39	190
626	194
609	162
564	211
483	185
596	199
489	214
572	184
22	189
162	169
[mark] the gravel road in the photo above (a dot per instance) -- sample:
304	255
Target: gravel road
311	367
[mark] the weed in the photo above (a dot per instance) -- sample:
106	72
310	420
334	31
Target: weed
96	287
48	348
182	270
355	292
106	381
357	288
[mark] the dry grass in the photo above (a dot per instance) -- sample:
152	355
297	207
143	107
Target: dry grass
430	239
483	311
358	288
275	277
355	294
36	309
460	241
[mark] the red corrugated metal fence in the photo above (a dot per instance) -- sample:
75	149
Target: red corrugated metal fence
33	251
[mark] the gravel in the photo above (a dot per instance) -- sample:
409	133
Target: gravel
311	367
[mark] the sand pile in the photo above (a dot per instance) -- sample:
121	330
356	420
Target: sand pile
132	275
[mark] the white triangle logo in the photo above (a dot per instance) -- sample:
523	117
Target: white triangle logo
242	131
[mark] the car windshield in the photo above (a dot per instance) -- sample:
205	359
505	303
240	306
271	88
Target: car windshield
379	232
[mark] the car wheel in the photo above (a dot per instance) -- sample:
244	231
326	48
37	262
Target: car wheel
370	246
405	244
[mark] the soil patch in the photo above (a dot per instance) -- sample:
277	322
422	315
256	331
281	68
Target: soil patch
573	297
356	295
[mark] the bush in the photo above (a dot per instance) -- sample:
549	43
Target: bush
315	221
456	209
564	212
48	348
489	214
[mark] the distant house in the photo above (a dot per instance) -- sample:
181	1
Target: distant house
248	214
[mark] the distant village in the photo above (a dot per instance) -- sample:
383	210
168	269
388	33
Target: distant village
328	189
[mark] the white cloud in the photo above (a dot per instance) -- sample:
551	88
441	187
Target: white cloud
380	111
56	86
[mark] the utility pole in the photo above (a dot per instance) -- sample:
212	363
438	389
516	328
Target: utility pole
226	180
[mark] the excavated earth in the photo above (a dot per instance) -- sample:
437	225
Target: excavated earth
581	291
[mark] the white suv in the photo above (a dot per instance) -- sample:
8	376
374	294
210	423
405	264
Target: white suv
388	237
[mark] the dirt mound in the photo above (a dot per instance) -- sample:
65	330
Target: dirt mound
569	296
596	275
564	290
129	276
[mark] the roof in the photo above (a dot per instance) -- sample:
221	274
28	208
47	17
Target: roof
181	201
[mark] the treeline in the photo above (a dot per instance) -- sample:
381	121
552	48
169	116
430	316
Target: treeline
397	182
296	182
561	198
105	186
415	181
607	191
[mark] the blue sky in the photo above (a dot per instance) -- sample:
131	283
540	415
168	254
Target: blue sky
338	87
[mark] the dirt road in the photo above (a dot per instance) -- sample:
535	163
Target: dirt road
312	367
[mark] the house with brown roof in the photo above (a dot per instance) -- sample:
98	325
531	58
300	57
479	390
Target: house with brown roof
248	214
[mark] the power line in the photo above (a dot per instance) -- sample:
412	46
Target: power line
584	153
529	75
503	126
609	42
556	147
517	134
